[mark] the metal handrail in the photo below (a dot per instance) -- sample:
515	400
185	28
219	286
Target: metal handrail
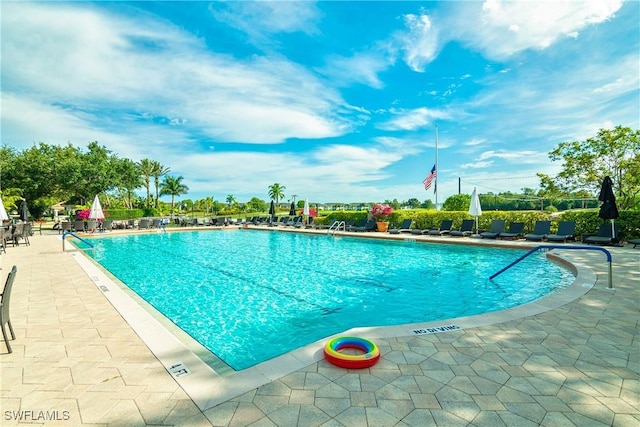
70	233
537	248
337	225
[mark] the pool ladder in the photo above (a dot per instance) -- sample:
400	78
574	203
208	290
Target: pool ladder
336	227
537	248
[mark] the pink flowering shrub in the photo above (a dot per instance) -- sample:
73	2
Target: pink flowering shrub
84	214
381	212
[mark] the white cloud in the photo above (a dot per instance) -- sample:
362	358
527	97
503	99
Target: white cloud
418	118
419	42
501	28
68	54
359	68
258	18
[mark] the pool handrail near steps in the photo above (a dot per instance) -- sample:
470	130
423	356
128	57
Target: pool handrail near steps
541	247
71	233
336	227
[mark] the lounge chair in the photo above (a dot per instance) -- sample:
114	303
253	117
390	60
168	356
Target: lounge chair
466	229
5	300
540	231
604	236
405	227
514	232
370	225
634	242
79	225
566	230
360	224
497	227
445	228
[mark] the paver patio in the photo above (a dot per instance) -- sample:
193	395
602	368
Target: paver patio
76	361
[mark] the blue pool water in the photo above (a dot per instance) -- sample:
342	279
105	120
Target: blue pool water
249	296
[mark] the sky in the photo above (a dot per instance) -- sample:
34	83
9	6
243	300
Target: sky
337	101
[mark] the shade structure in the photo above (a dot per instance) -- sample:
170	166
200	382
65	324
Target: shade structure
3	212
24	211
475	209
292	209
96	210
608	209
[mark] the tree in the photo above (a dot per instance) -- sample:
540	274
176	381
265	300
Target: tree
128	180
413	203
173	186
612	152
158	171
230	200
147	169
256	205
276	192
457	202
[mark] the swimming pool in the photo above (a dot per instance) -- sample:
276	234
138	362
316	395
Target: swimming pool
250	296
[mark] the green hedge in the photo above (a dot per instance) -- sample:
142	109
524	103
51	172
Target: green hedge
587	221
120	214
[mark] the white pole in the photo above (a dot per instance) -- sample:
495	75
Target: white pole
436	183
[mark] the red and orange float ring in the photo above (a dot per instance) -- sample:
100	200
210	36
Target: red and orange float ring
369	358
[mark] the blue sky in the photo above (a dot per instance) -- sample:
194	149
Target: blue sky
337	101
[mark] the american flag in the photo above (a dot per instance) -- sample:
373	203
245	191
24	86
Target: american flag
427	181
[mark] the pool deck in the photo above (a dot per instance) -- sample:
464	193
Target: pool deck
77	361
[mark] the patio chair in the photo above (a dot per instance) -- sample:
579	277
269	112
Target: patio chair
604	236
5	300
65	226
514	232
405	227
445	228
540	231
3	240
466	229
92	226
78	225
19	233
497	227
566	230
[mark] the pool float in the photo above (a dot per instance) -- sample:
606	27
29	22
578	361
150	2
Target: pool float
351	361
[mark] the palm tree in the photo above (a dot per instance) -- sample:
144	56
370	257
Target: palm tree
276	192
230	200
146	170
173	186
158	171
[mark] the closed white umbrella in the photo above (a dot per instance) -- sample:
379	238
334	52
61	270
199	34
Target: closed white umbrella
475	209
305	210
96	210
3	212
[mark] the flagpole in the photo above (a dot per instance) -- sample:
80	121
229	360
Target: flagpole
436	183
